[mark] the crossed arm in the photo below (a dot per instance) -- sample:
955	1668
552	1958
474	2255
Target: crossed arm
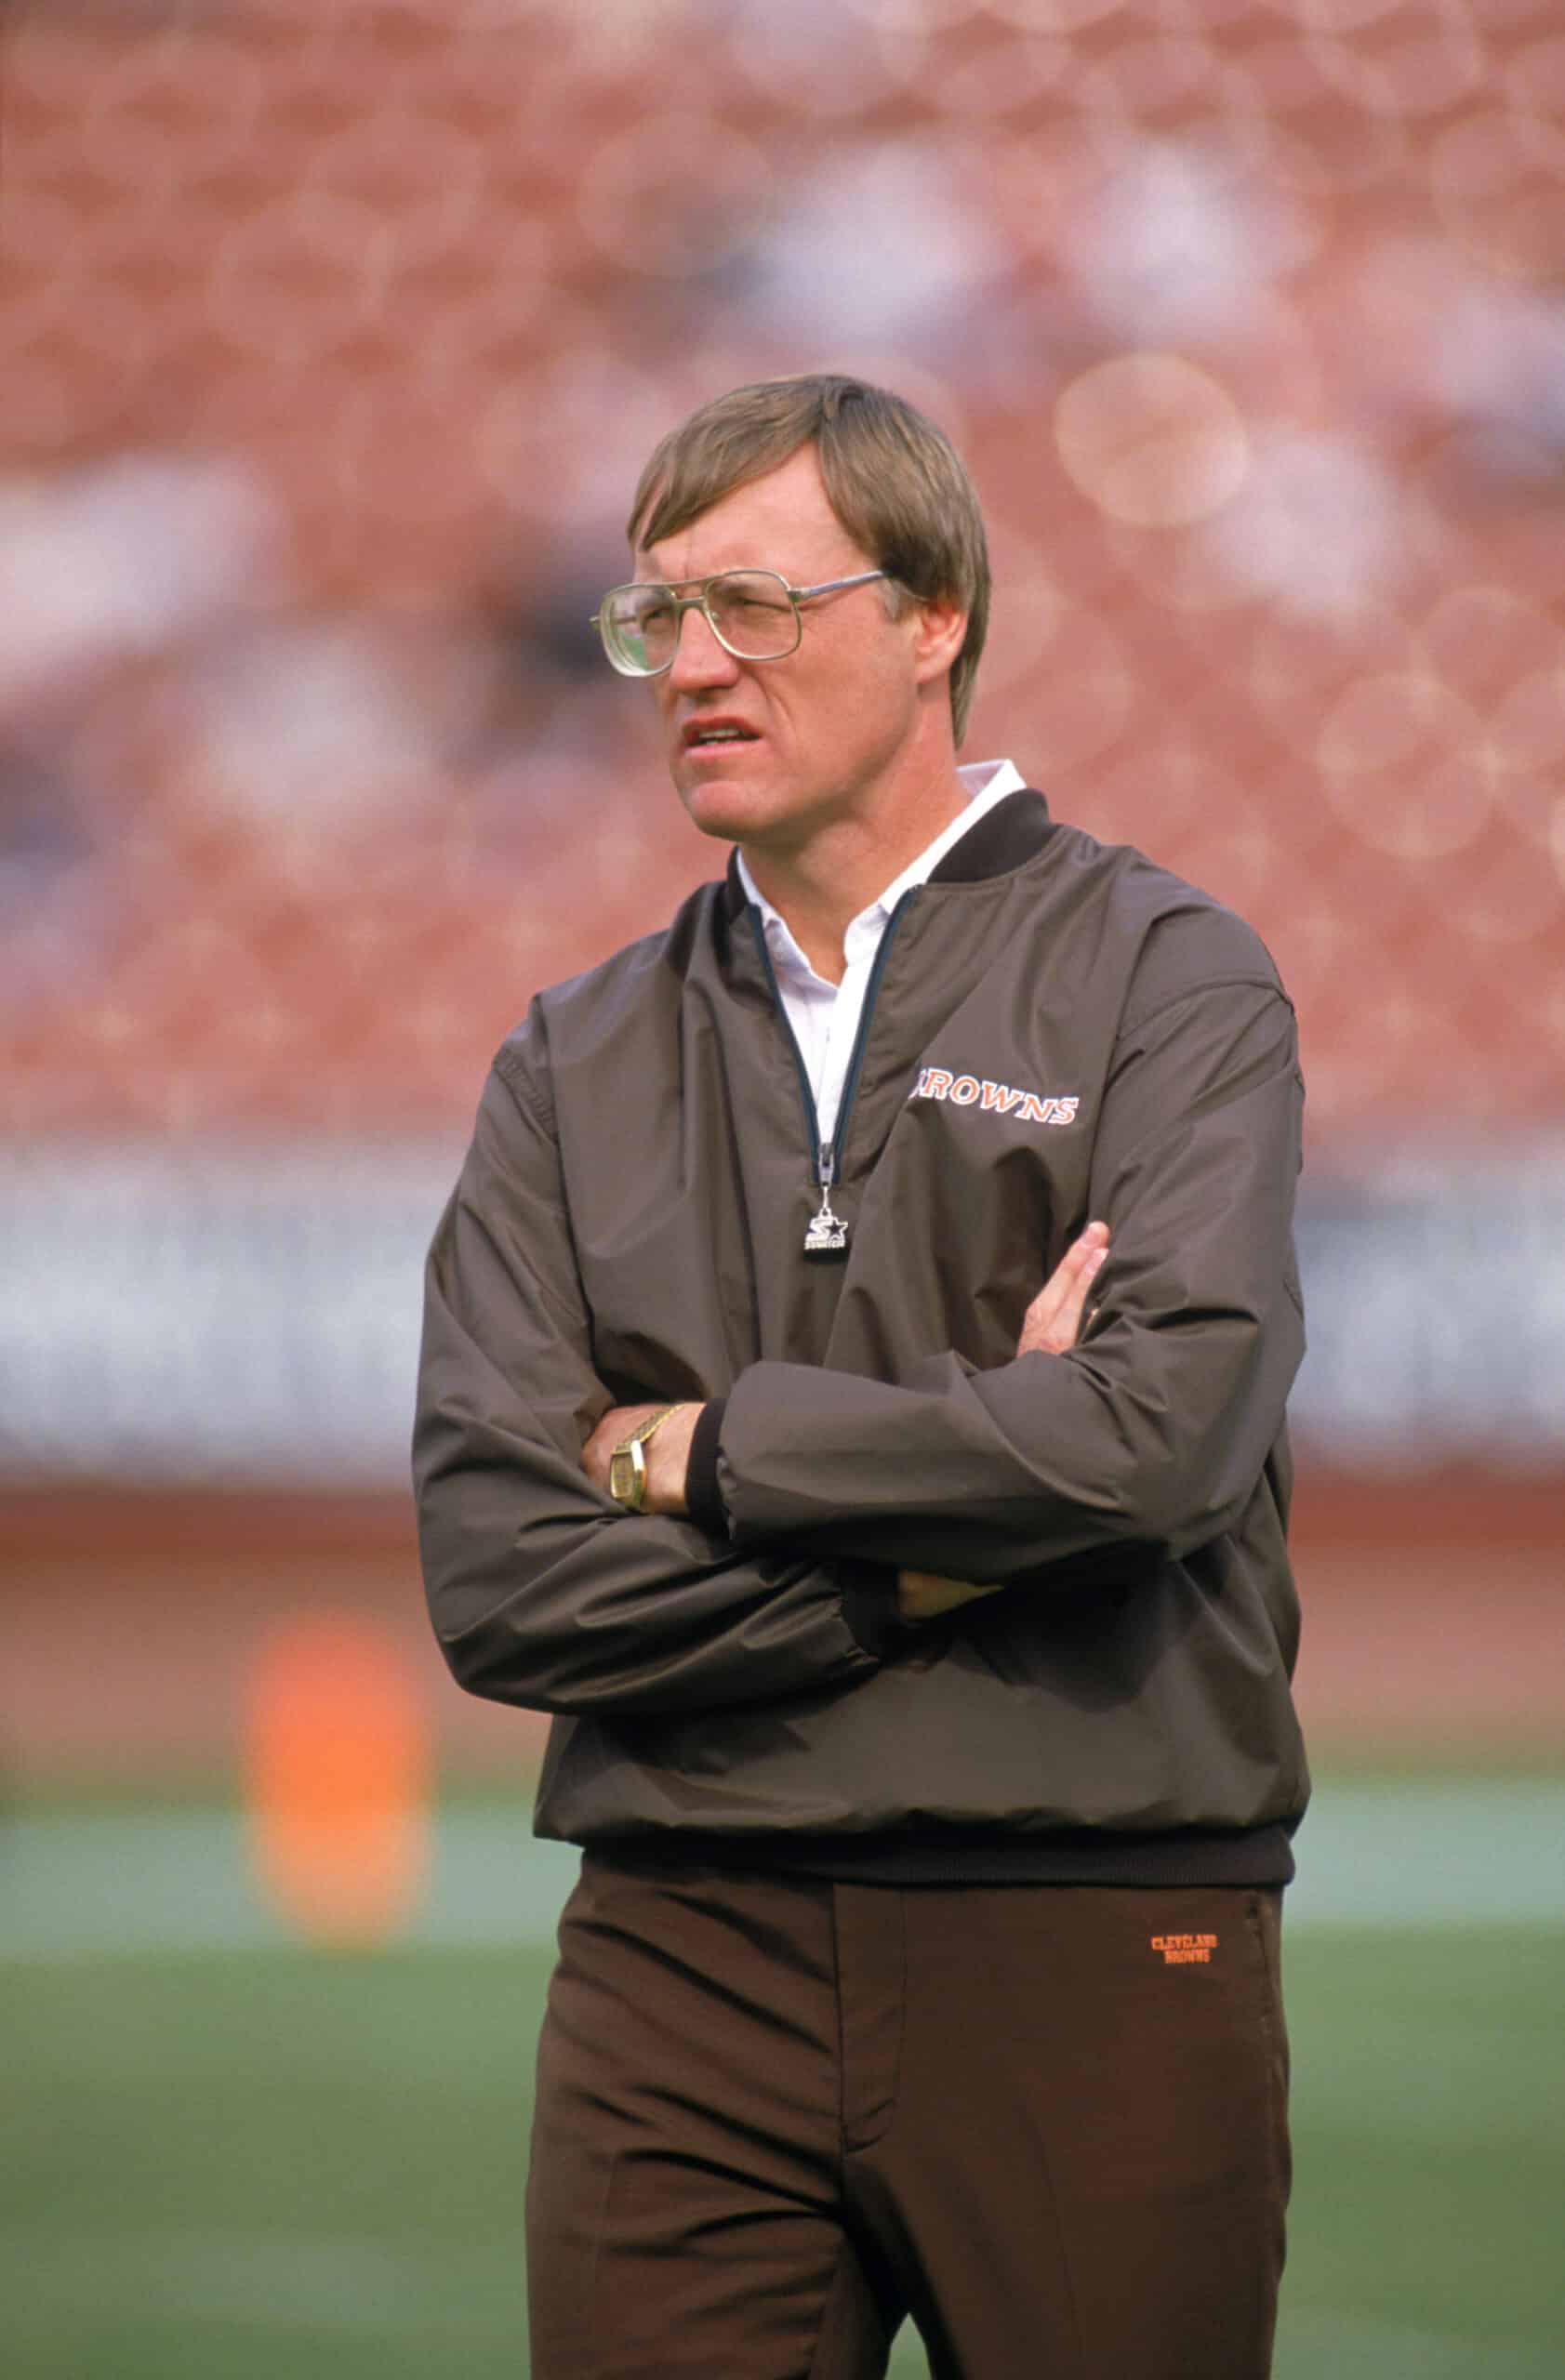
1049	1326
1145	1438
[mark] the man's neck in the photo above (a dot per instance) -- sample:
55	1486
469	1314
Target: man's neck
819	889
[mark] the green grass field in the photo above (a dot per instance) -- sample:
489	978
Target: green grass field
231	2158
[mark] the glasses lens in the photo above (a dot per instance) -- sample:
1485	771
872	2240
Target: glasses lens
640	629
751	613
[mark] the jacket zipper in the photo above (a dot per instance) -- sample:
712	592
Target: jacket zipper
827	1233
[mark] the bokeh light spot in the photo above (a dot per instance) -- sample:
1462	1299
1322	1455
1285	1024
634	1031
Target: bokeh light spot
1152	439
1498	180
1405	766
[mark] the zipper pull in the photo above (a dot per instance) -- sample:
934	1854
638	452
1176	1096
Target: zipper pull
827	1235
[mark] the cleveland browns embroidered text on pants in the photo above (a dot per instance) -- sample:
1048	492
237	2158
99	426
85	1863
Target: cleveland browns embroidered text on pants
774	2115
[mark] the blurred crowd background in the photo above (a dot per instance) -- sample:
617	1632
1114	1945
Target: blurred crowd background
333	335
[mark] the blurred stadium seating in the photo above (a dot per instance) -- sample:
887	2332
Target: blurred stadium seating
336	334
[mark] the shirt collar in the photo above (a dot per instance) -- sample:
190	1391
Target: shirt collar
985	782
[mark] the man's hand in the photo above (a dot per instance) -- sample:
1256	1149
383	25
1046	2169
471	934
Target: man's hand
1049	1326
668	1454
1053	1321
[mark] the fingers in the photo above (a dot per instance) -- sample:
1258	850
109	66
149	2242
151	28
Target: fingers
923	1594
599	1446
1054	1319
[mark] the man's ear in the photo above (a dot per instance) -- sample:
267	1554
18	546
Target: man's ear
939	635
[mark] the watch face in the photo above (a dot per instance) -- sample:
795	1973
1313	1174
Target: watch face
624	1483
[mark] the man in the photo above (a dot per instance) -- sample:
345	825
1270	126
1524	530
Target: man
920	1649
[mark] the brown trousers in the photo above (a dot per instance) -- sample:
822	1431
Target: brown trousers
774	2116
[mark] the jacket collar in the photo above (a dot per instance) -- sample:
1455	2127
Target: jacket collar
1003	840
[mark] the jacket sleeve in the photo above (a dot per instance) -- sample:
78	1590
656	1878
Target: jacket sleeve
1152	1432
542	1592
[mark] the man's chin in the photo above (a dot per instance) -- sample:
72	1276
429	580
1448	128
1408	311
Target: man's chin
719	807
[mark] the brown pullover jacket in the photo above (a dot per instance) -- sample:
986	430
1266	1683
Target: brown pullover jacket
1054	1030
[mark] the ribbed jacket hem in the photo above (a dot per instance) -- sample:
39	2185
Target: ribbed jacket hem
1246	1856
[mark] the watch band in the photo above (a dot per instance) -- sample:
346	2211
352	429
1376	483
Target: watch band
627	1463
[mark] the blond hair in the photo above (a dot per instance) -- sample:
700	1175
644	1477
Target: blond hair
893	480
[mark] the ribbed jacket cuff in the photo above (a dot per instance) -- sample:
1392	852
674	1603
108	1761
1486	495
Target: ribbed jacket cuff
703	1497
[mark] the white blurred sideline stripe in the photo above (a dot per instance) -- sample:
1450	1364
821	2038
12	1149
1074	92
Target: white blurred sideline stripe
124	1884
1314	2341
252	2279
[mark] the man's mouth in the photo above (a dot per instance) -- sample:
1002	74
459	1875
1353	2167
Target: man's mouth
702	733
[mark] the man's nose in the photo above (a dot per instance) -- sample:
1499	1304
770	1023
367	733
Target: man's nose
699	658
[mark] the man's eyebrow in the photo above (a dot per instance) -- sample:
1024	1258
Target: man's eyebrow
727	569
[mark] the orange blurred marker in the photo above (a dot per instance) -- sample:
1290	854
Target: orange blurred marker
337	1780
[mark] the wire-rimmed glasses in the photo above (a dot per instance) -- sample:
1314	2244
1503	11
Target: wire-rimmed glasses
754	615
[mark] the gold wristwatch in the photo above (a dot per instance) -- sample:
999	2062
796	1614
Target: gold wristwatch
628	1463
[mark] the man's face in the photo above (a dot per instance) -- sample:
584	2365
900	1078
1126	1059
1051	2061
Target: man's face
822	731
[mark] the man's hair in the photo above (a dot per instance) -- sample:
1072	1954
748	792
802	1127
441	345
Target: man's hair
894	482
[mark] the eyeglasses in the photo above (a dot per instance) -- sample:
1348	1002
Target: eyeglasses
754	615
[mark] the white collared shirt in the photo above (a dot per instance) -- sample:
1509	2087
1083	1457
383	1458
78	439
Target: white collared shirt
825	1016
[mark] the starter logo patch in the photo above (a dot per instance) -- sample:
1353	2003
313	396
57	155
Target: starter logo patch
974	1090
